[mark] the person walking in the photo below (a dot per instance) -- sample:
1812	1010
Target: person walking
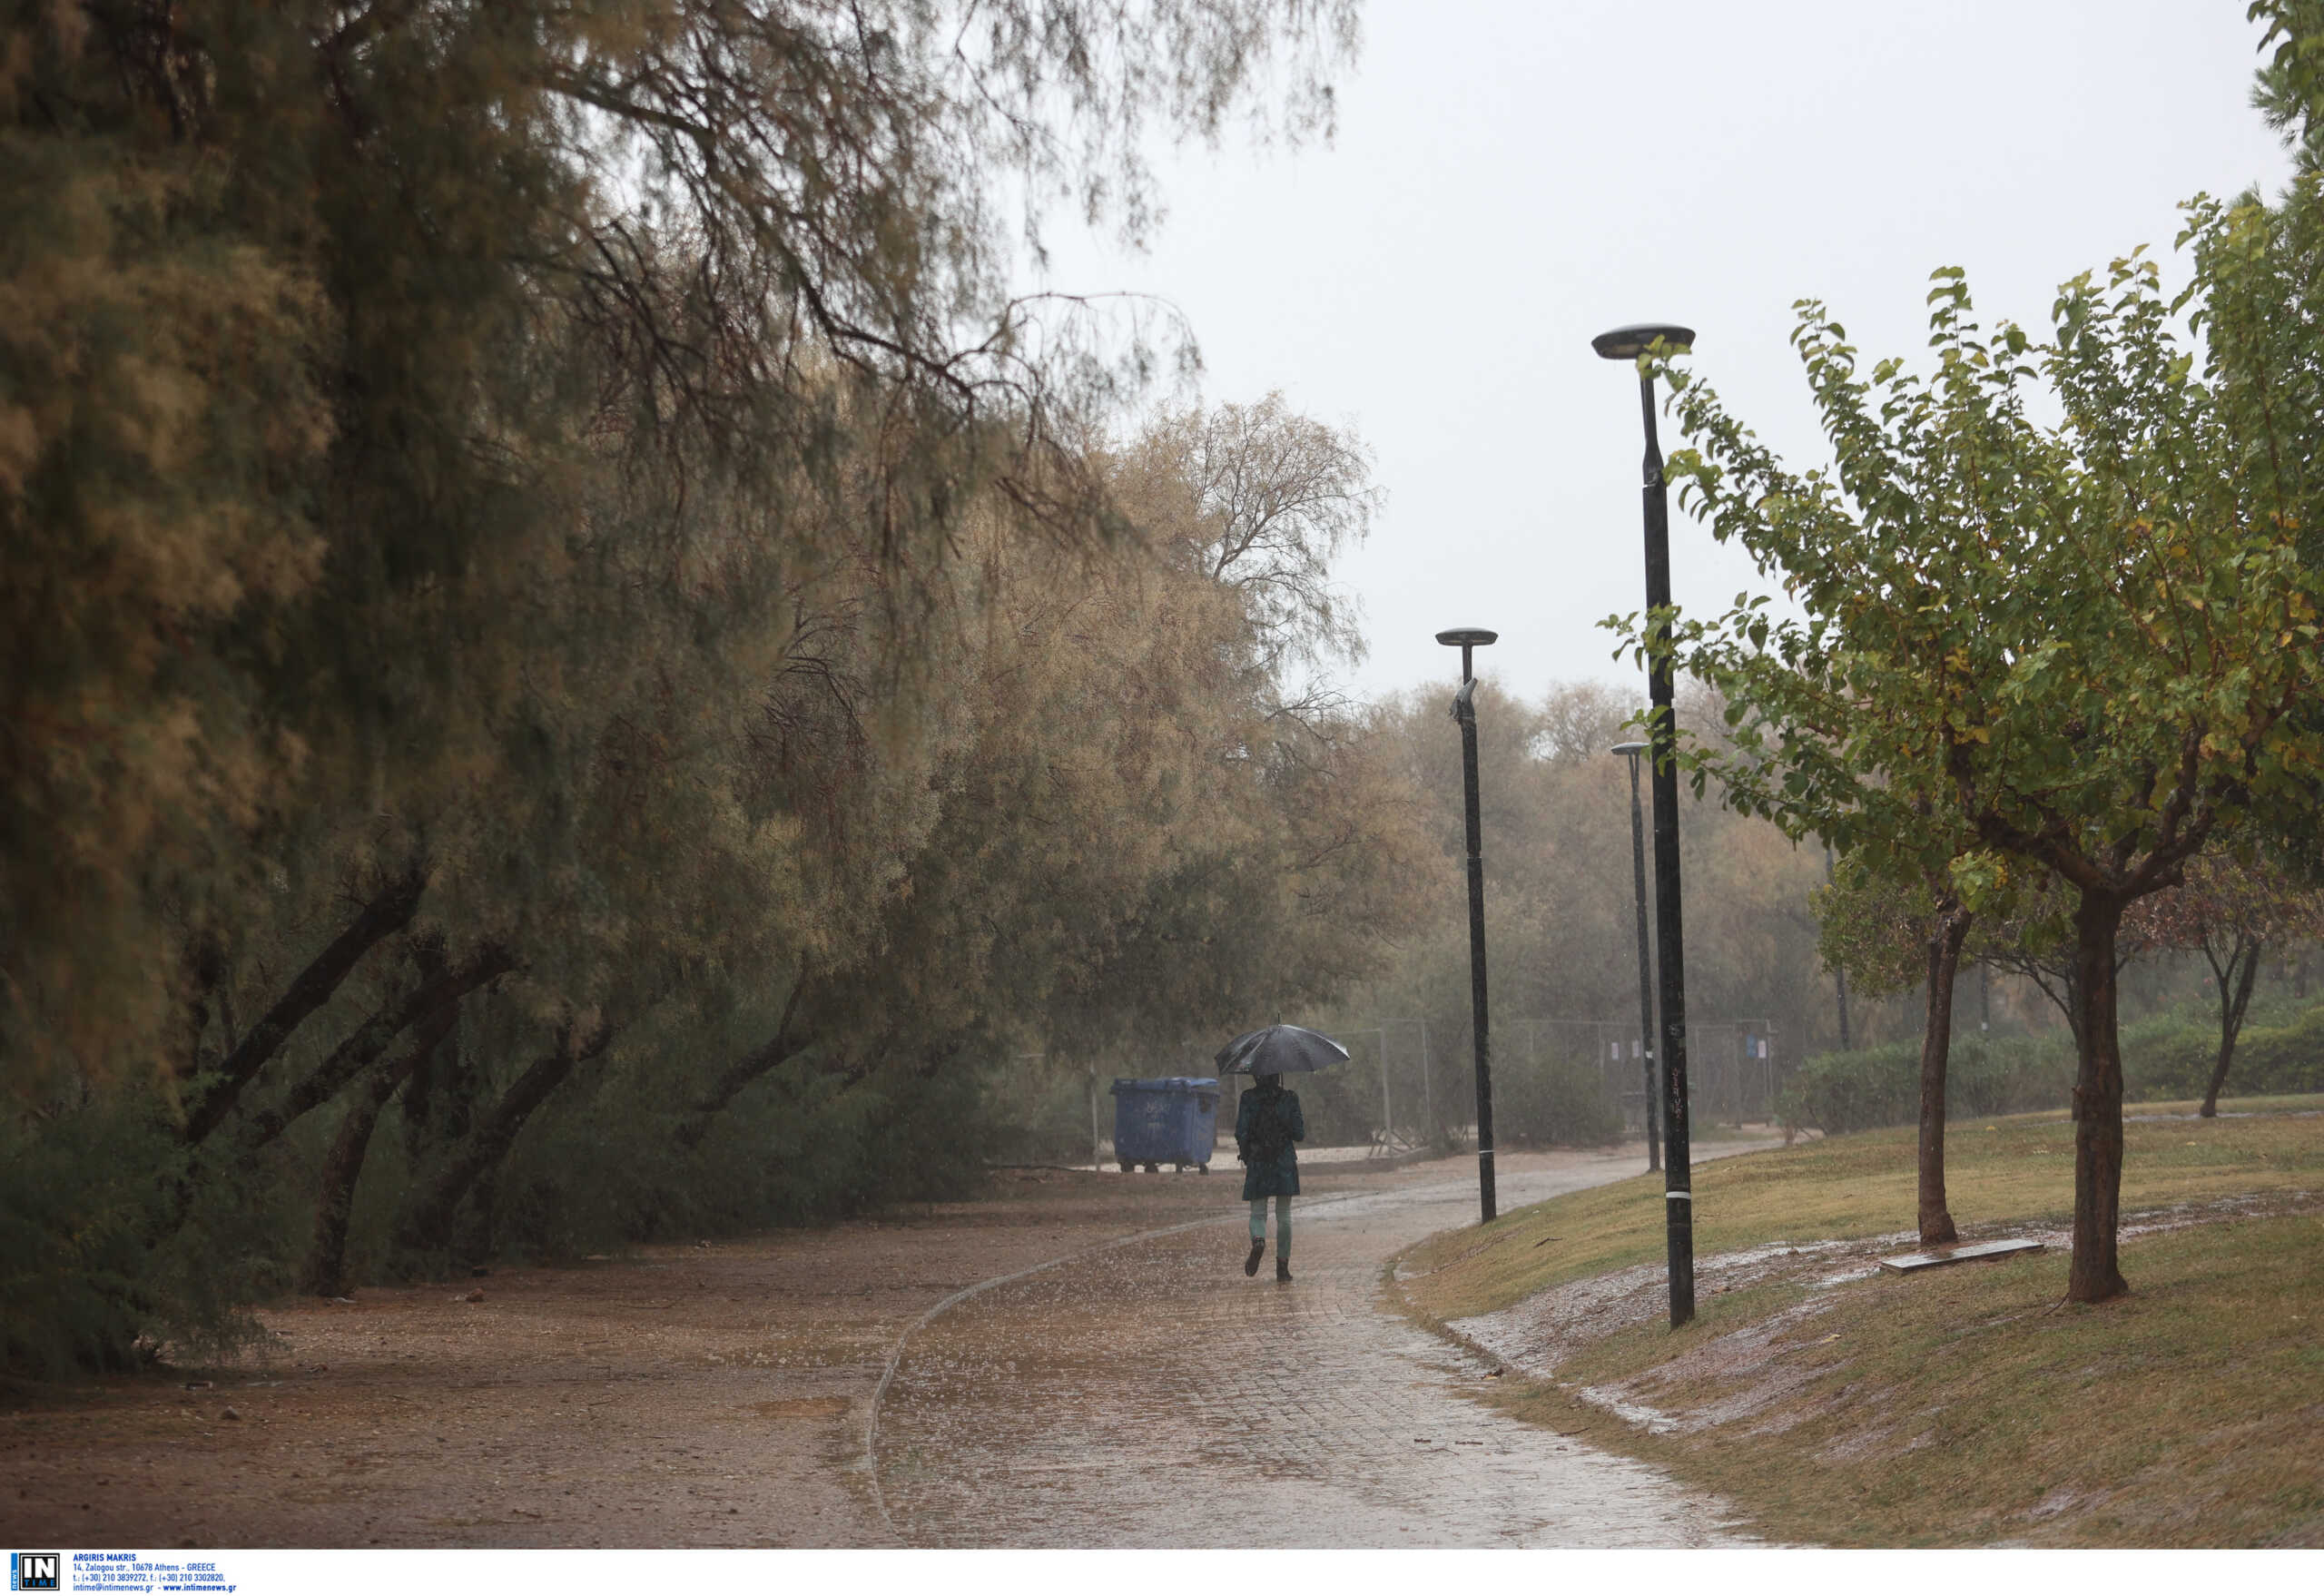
1268	1127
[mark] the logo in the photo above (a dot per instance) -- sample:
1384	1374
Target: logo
34	1571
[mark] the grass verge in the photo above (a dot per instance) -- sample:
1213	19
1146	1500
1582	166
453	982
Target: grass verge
1998	1173
1963	1405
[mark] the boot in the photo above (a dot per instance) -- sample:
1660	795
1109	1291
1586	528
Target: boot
1281	1271
1251	1263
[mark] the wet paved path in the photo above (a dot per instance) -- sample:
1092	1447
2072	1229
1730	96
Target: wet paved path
1149	1394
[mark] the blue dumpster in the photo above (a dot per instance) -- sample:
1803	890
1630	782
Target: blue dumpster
1173	1120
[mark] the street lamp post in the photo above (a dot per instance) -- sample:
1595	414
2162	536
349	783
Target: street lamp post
1627	343
1468	639
1645	962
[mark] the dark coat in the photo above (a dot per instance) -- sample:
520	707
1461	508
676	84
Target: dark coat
1266	1124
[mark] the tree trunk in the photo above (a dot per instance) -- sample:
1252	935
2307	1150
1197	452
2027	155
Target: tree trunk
371	1039
745	1070
427	1221
433	1118
382	916
347	1061
325	1270
472	1222
1937	1047
205	975
729	1086
2231	1008
2095	1275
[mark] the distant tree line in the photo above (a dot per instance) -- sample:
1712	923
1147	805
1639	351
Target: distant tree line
1561	923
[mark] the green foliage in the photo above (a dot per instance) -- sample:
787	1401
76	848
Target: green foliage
2027	652
73	1208
2290	89
2058	649
2170	1057
161	442
1867	1088
1879	933
2166	1058
83	1285
1556	1101
1038	1116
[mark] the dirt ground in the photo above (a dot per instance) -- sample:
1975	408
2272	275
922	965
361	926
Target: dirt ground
692	1395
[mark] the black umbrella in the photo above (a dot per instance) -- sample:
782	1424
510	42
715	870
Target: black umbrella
1279	1050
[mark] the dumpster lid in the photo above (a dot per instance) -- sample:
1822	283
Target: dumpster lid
1166	1083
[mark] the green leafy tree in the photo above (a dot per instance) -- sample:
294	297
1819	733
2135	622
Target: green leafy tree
2231	910
2080	647
2290	90
1888	934
2263	264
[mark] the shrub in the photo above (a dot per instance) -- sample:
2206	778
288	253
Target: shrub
1873	1087
2170	1057
85	1191
2167	1058
1042	1119
1554	1101
2276	1058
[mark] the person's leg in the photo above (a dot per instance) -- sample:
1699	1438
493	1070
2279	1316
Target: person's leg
1283	1228
1259	1235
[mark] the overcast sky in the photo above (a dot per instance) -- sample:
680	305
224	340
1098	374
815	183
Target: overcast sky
1510	179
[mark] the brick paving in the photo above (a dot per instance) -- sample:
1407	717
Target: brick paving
1149	1395
1134	1394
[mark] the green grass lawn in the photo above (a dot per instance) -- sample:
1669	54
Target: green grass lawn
1999	1172
1962	1405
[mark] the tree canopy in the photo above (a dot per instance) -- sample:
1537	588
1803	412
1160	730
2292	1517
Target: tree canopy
559	591
2026	650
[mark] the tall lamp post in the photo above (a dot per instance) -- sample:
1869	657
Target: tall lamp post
1627	343
1468	639
1645	962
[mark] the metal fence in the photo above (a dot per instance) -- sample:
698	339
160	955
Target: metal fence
1421	1074
1410	1081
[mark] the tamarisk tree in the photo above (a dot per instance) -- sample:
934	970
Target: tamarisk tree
2029	651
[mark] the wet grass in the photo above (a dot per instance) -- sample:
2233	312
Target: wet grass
1967	1405
1998	1173
1964	1407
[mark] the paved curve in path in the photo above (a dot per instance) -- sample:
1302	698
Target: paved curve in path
1151	1395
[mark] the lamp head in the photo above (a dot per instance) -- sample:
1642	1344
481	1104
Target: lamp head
1632	749
1467	639
1627	343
